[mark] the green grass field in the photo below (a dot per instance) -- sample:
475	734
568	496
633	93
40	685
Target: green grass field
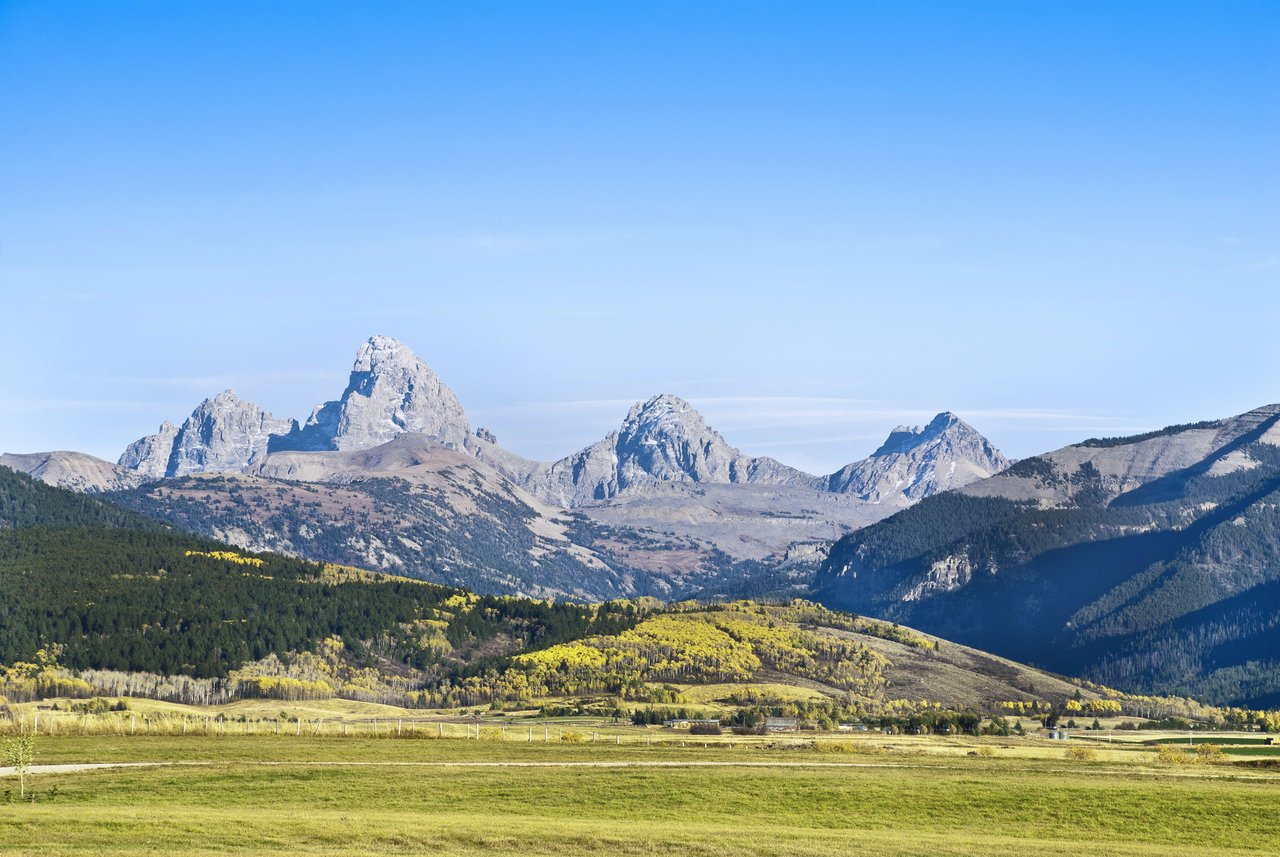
330	796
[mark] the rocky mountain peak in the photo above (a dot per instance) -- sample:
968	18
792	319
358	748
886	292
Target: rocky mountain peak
905	438
666	419
916	461
379	354
390	392
662	440
666	439
223	433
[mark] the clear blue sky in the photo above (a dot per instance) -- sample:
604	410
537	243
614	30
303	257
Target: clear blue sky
813	220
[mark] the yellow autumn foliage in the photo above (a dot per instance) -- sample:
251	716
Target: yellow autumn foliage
229	556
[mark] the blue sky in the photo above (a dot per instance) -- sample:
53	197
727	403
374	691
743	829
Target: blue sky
813	220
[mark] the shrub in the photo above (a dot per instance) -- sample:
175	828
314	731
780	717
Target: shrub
1168	754
987	752
705	729
1081	754
835	747
572	737
845	747
1210	754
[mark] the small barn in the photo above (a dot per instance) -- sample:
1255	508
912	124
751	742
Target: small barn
688	722
781	724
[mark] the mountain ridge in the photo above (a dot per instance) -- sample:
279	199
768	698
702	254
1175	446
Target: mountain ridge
391	391
1152	561
391	475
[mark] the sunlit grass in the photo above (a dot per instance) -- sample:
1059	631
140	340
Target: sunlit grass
375	796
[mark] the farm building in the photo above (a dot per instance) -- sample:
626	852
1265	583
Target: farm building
781	724
688	722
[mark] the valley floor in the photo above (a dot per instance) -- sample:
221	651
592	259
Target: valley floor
328	796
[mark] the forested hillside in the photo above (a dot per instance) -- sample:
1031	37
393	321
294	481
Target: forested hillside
1099	560
105	589
28	502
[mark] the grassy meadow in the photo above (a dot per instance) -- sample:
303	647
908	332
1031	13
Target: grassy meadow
654	793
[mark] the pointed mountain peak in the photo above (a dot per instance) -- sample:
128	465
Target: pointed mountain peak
383	352
943	421
225	403
664	409
391	391
663	402
903	439
917	461
666	439
663	440
224	433
671	427
226	399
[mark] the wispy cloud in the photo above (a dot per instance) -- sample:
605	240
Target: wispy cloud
767	412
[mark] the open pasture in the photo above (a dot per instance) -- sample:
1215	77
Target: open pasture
255	794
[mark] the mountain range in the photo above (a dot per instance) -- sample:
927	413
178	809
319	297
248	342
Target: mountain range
663	505
392	392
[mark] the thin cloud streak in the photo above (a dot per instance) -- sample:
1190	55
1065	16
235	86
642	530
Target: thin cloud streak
757	413
827	432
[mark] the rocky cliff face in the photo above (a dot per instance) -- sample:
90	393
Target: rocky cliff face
663	440
914	463
391	392
149	456
224	433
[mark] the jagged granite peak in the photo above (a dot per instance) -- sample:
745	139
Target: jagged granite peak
661	440
915	462
666	439
391	392
149	456
223	434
